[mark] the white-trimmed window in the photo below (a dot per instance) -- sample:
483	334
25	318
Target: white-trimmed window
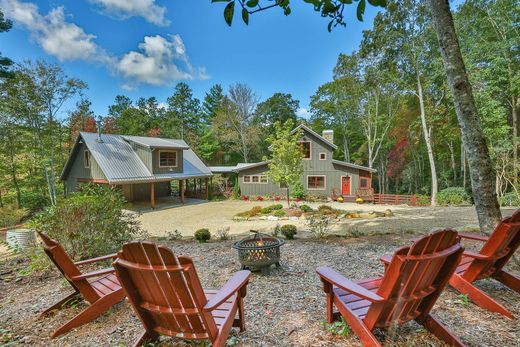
255	179
323	156
86	158
316	182
167	158
364	182
306	149
247	179
261	179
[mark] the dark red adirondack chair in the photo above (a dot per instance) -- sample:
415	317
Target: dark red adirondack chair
168	298
410	287
99	288
489	263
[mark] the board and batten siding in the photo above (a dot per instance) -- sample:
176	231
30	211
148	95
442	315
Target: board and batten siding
79	171
144	153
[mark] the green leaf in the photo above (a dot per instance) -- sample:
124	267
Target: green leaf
245	16
228	12
381	3
252	3
329	27
361	10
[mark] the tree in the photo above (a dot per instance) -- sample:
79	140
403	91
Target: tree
5	63
132	121
280	107
121	103
285	166
81	119
184	113
212	101
481	172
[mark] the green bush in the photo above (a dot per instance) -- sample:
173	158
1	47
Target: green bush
10	216
453	196
288	231
306	208
202	235
236	190
29	200
510	199
266	210
279	213
423	200
276	207
255	211
297	191
90	223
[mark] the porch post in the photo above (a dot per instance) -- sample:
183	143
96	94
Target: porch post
207	190
152	195
195	186
181	185
226	182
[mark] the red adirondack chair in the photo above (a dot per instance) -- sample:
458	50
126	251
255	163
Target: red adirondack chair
168	298
99	288
489	263
410	287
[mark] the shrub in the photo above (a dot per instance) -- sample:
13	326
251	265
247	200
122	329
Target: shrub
318	226
453	196
288	231
259	198
90	223
276	230
297	191
510	199
279	213
423	200
328	210
265	210
306	208
256	210
173	236
236	190
277	198
223	234
276	207
244	197
10	216
202	235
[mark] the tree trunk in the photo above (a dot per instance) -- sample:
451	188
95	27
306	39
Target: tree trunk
428	140
481	170
514	115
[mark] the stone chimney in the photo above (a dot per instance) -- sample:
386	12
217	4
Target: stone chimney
328	135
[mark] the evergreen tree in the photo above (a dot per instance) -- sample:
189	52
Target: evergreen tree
212	101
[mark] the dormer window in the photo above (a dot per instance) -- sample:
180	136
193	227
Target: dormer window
86	159
167	158
306	149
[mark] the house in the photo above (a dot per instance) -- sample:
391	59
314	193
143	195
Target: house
322	175
144	168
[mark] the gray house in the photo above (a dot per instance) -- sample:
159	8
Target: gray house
322	175
142	167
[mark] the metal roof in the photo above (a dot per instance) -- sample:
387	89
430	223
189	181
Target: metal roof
222	169
355	166
121	164
157	142
309	130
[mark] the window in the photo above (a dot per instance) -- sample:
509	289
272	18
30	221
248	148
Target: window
306	149
283	185
256	179
323	156
263	179
247	179
86	159
316	182
167	159
364	182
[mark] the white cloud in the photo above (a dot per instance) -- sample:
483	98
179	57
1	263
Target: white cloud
156	62
62	39
123	9
303	113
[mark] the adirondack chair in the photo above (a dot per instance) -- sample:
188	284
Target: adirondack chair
410	287
168	298
489	263
99	288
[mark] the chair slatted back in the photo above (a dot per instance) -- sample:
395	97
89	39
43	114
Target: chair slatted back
66	266
165	291
415	278
500	246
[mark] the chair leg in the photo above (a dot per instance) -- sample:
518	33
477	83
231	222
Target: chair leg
359	327
438	329
509	280
242	324
90	313
59	304
477	296
146	336
330	307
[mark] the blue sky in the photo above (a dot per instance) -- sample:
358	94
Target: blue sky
143	47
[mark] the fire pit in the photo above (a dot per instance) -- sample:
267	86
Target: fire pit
259	252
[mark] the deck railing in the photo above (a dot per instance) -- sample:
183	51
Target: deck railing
368	194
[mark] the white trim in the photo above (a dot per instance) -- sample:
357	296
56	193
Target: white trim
244	179
324	182
310	149
85	162
341	184
251	179
325	155
169	166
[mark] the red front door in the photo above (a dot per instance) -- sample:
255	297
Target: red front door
345	185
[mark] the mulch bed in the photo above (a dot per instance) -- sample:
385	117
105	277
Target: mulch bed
286	308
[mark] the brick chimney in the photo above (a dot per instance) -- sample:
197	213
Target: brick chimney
328	135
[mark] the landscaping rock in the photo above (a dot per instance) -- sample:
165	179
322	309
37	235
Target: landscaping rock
272	218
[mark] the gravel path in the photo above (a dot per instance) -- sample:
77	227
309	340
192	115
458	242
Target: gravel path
215	215
286	308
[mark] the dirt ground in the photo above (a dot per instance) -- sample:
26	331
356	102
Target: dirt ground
214	215
286	308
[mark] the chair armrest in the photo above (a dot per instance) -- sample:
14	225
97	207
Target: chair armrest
335	278
386	259
95	260
473	237
96	273
233	285
476	255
